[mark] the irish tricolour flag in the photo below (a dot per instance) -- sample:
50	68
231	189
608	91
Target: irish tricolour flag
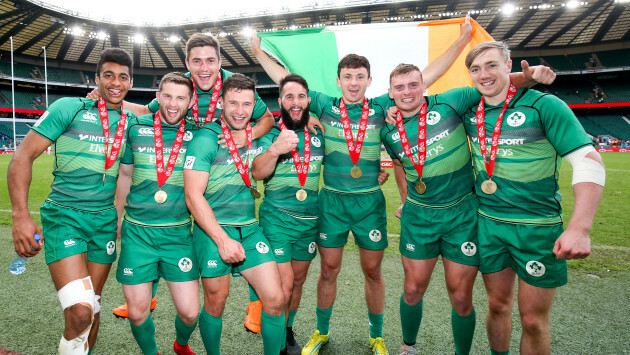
315	52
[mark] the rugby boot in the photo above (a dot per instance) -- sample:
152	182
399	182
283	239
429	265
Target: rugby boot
408	349
252	320
182	349
292	346
123	312
315	343
378	346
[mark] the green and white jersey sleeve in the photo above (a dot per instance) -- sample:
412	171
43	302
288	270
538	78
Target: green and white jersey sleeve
141	206
337	157
537	130
226	193
282	185
74	127
448	172
203	98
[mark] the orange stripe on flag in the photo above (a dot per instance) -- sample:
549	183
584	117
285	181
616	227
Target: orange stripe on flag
442	34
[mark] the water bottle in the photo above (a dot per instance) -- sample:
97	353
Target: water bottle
18	264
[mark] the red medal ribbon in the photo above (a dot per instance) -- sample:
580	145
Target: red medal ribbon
216	91
162	174
242	168
102	111
422	139
481	130
301	168
355	150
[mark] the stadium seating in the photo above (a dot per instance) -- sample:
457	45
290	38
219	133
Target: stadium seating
559	62
143	81
618	58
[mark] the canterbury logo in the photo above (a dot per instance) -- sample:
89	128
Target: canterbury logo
69	242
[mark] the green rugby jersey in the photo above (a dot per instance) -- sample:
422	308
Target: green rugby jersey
447	172
537	130
141	206
337	157
74	127
203	98
282	185
226	193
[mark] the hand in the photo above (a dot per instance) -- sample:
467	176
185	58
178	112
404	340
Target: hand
466	28
24	229
572	245
286	142
538	74
255	43
314	122
231	251
391	115
398	212
382	176
240	139
93	95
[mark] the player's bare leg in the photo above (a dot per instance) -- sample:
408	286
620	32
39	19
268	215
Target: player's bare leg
460	280
534	305
99	274
327	283
500	290
186	300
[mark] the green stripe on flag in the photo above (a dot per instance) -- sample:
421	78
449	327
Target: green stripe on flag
316	62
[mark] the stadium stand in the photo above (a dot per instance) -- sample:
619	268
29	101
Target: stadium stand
559	62
65	75
143	81
617	58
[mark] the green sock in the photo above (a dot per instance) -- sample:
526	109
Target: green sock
376	325
410	319
183	331
155	286
253	297
90	352
291	319
323	319
463	331
273	332
494	352
210	328
145	336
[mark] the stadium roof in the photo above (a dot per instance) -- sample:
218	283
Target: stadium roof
74	39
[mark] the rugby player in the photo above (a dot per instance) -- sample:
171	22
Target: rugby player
220	193
290	166
156	233
78	217
517	161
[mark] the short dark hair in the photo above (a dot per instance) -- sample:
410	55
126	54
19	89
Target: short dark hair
238	82
202	40
402	69
114	55
177	78
293	78
353	61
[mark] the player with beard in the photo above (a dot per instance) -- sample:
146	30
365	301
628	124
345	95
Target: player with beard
220	194
290	166
78	217
156	238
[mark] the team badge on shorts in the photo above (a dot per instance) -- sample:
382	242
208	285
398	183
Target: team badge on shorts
469	248
375	235
262	248
311	248
535	268
111	247
185	264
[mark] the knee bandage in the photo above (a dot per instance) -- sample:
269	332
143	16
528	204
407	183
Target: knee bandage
586	169
97	304
75	292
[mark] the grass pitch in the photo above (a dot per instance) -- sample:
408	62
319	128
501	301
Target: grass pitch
590	315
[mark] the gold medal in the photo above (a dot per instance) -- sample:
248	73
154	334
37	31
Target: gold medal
160	196
356	172
301	195
489	187
254	191
421	188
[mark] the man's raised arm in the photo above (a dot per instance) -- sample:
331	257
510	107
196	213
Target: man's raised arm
275	71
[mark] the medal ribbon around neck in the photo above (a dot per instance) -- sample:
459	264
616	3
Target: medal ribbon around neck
242	168
162	173
481	130
301	168
354	149
117	144
422	139
216	91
